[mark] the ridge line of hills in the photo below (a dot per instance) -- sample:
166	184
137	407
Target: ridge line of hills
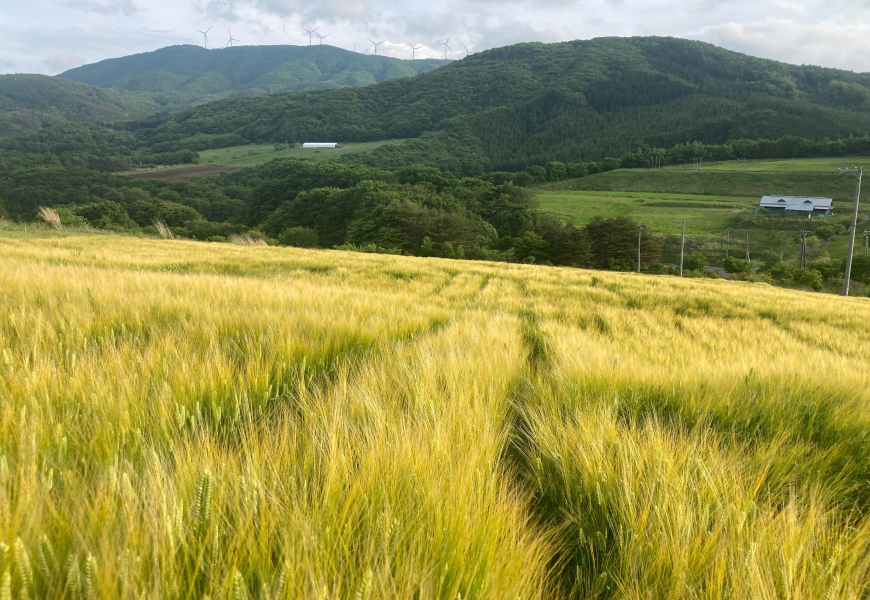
179	77
502	109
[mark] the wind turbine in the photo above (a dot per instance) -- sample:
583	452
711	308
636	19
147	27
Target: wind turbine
466	50
205	37
232	39
376	45
413	49
446	47
323	36
310	33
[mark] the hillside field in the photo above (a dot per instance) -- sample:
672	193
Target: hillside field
704	215
813	165
257	154
183	420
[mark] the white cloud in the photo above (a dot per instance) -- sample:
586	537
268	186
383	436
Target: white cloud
104	7
832	42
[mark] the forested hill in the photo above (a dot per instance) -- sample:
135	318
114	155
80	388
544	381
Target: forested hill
179	76
527	104
31	102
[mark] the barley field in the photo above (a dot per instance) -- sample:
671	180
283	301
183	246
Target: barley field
191	420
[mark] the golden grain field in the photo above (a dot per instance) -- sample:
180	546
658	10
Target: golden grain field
190	420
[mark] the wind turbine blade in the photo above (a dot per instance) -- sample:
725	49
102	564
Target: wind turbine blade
207	30
371	40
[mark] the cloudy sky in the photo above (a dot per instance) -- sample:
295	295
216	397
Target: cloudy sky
50	36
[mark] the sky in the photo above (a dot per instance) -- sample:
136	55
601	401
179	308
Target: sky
50	36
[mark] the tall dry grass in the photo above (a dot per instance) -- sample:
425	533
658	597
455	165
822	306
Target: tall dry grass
50	216
182	420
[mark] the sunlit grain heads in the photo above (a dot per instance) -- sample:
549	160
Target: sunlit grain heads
73	576
364	589
202	502
46	559
240	590
90	581
6	585
24	569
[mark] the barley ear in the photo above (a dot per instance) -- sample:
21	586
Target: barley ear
6	586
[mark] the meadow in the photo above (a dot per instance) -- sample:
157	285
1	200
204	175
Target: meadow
192	420
257	154
704	215
811	165
717	183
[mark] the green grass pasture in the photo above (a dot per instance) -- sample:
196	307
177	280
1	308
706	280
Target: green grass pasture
710	182
811	165
704	215
256	154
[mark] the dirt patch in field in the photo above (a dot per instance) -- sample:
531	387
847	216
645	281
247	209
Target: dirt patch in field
186	173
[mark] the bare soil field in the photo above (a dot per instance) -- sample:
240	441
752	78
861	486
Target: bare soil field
186	173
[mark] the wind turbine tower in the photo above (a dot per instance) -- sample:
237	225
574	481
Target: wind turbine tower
413	49
376	44
205	37
232	39
310	33
446	47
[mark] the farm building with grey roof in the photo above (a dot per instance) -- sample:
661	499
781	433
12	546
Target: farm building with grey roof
796	206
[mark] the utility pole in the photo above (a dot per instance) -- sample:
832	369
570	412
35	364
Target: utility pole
640	229
727	241
747	244
803	262
682	243
848	274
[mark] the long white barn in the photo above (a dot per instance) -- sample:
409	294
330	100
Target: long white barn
320	145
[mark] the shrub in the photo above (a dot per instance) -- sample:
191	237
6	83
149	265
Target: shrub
826	231
695	261
783	271
737	266
301	237
809	277
860	268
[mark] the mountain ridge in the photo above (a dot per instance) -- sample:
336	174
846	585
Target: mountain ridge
526	104
32	102
176	76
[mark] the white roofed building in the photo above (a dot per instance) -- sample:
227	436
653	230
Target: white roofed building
796	206
320	145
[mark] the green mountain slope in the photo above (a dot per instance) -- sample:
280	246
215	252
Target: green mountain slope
178	76
31	102
527	104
